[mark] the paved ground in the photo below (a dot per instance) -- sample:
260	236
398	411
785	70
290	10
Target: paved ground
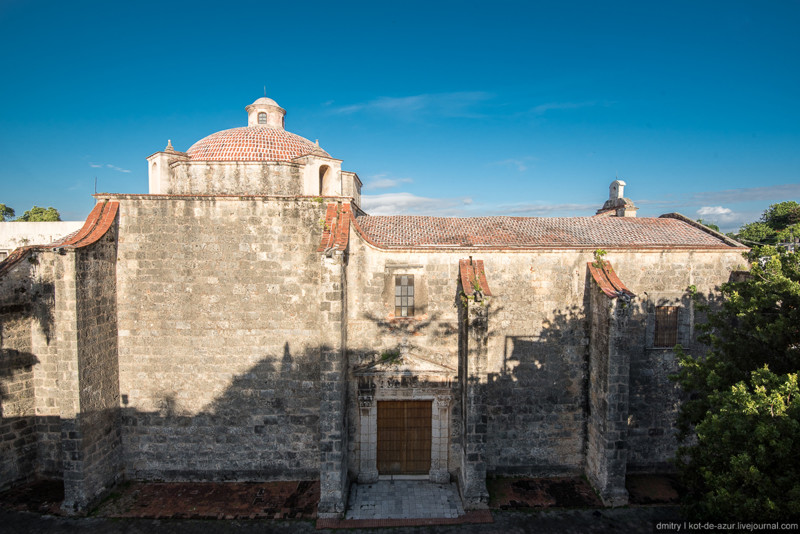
403	499
518	505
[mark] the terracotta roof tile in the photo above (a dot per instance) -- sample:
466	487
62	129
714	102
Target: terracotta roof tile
608	280
336	230
252	143
473	275
410	231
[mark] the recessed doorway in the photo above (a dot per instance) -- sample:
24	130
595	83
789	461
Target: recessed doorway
404	437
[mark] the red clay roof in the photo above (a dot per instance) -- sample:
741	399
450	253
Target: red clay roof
97	224
252	143
473	275
603	273
336	231
410	231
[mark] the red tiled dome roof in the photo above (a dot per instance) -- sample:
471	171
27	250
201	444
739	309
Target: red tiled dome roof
252	143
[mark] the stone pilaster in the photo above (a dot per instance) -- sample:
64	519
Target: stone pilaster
473	372
609	377
66	322
333	385
368	413
440	439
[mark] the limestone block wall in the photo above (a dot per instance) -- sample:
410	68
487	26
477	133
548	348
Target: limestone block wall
220	312
537	390
663	279
538	339
234	178
30	423
91	437
18	445
372	329
44	340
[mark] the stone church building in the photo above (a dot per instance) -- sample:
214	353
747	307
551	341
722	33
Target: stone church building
246	320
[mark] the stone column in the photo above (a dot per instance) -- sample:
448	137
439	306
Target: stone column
474	348
333	382
440	438
368	412
609	376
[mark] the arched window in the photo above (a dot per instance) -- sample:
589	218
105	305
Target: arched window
324	180
262	118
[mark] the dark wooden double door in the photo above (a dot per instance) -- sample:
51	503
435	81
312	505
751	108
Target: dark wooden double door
404	437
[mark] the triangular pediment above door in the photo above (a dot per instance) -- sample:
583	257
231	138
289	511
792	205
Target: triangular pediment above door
408	363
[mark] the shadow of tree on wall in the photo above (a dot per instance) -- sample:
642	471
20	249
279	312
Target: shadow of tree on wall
537	401
265	425
405	336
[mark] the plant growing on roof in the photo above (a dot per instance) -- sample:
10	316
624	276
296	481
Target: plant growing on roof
599	254
476	296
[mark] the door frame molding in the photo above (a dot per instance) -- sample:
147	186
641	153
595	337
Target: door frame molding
383	389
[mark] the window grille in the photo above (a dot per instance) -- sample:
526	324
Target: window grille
404	295
666	331
262	118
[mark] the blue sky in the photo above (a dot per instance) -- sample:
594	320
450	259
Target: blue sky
452	108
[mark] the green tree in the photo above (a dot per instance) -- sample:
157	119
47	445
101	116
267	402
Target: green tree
756	232
744	401
789	233
780	216
6	213
37	214
778	223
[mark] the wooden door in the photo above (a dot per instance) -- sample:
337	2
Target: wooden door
404	437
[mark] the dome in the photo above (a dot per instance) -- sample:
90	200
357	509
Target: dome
265	101
253	143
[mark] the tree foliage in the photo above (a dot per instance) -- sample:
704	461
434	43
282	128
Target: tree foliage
37	214
6	213
779	223
745	405
781	215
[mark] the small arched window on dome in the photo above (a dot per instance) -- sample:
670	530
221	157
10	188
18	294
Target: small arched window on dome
324	181
262	118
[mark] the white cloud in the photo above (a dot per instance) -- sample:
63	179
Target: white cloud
717	213
108	166
541	109
457	104
117	168
410	204
520	163
380	181
767	193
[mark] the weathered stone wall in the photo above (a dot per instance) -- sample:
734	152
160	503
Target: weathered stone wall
538	338
538	343
91	436
220	317
30	426
44	341
235	178
372	329
609	374
663	279
18	447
